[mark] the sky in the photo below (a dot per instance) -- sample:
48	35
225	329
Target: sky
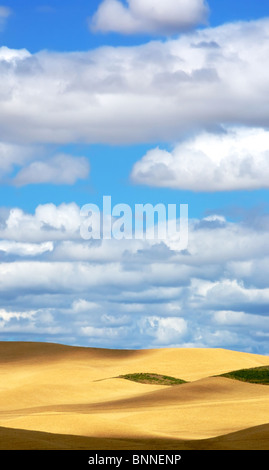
148	102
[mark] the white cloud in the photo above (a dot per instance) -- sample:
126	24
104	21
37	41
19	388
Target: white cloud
25	249
165	330
154	92
33	164
233	160
229	317
49	222
149	16
60	169
6	316
11	56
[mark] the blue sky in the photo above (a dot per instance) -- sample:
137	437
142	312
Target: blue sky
147	105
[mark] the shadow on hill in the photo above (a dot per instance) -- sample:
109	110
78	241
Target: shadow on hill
255	438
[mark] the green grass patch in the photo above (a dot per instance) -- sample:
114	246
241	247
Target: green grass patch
257	375
153	379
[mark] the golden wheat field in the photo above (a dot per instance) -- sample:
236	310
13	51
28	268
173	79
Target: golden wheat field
63	397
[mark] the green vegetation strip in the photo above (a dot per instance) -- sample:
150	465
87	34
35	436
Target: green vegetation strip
257	375
153	379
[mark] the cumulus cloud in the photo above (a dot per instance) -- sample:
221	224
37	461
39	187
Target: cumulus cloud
149	16
24	249
60	169
165	330
14	155
232	160
48	223
156	92
7	316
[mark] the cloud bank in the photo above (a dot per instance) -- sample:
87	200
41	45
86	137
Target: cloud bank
156	92
134	293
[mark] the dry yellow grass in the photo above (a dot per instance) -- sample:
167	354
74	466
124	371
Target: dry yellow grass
72	391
